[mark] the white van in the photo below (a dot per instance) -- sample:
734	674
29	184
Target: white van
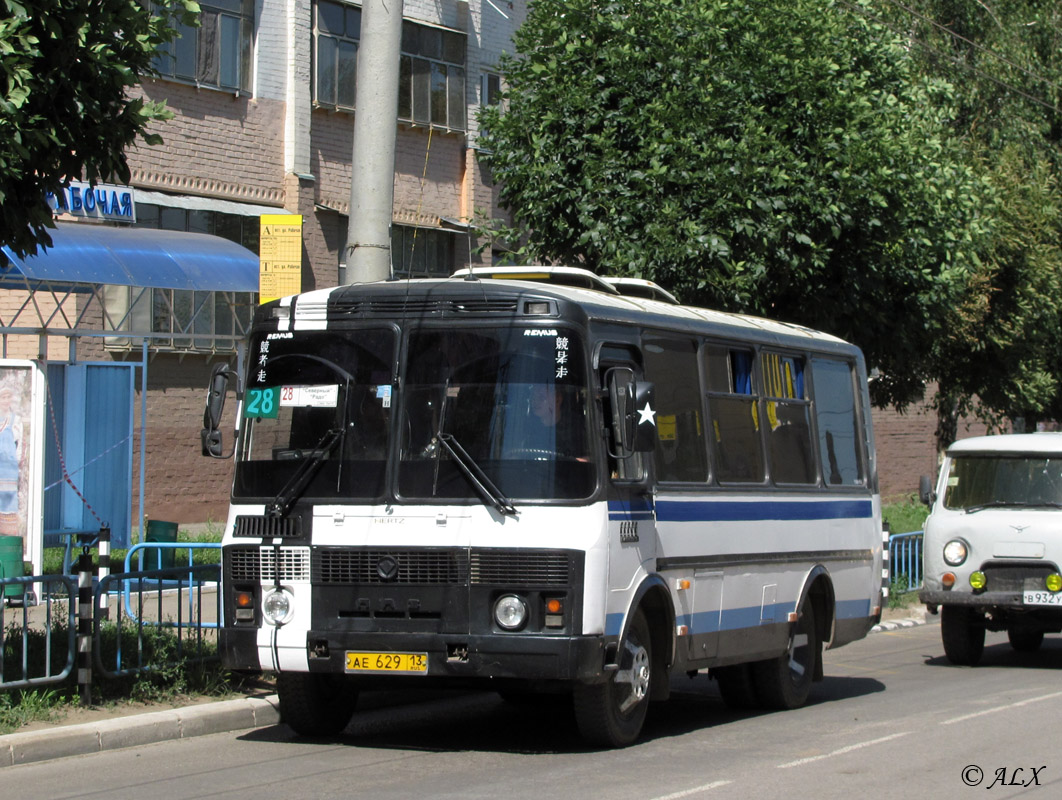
993	542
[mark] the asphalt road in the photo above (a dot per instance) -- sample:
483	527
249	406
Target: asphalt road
892	718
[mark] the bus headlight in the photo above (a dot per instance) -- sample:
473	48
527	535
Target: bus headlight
278	607
510	612
955	552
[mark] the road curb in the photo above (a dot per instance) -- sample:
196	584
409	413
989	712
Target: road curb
156	726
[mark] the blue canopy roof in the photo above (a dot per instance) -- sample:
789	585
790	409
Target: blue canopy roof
83	253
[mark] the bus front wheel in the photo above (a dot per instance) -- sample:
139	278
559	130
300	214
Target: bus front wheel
785	682
963	635
612	713
313	704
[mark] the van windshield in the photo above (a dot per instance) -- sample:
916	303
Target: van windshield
978	482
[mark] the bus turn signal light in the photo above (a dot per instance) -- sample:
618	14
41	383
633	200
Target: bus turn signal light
948	579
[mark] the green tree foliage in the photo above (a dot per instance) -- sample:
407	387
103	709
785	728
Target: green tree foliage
777	157
1000	355
65	113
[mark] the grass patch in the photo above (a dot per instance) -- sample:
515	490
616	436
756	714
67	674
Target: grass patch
905	516
52	560
179	669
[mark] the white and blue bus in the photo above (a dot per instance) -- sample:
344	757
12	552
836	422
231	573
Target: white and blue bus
542	488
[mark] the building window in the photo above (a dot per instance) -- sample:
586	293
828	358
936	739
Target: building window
216	54
219	317
336	31
491	89
421	252
431	83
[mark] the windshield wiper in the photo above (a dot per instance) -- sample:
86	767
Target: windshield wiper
475	474
297	483
1007	504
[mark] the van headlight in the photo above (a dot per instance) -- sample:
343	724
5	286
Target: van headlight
955	552
278	607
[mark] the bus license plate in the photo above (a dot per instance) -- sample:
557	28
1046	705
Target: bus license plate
1042	598
390	663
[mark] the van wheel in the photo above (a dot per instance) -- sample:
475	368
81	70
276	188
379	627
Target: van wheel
785	682
315	704
963	634
1025	640
612	713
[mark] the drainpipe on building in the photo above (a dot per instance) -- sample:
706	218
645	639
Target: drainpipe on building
372	182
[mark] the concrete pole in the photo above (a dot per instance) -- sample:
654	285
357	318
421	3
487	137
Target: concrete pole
372	185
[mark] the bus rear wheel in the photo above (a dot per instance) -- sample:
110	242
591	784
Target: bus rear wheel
963	635
785	682
612	713
313	704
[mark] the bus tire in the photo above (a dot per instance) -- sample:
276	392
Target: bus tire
963	635
612	713
785	682
314	704
737	687
1025	640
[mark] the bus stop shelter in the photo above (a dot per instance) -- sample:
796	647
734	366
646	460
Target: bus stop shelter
95	291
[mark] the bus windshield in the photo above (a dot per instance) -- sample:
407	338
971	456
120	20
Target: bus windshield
514	399
322	408
979	482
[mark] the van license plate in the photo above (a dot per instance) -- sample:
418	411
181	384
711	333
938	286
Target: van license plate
390	663
1042	598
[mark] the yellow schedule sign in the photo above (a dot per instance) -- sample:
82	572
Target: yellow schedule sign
279	256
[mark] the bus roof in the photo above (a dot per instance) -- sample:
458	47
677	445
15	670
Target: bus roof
429	296
1010	443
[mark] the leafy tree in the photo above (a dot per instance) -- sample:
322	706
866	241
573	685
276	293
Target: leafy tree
999	356
779	157
65	112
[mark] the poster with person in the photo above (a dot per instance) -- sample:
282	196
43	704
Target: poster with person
22	455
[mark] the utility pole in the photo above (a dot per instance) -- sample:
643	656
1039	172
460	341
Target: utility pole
372	183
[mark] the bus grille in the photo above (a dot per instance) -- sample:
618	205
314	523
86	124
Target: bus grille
350	566
520	568
424	567
267	527
255	564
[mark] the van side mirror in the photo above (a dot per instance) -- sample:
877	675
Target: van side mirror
210	436
925	490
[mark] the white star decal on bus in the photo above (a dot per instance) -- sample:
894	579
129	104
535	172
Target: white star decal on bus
646	415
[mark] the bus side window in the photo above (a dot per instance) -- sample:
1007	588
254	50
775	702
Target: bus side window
671	364
788	423
733	415
838	422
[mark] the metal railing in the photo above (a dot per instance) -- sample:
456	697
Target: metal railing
141	620
905	558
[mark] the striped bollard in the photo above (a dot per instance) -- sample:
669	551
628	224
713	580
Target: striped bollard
105	568
84	626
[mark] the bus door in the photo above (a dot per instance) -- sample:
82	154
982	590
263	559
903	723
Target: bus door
631	510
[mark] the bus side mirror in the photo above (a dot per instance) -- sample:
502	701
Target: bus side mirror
210	436
925	490
641	418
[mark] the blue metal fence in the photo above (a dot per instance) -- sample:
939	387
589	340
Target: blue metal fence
39	635
905	558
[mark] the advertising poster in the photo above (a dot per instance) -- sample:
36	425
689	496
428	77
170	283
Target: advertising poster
22	457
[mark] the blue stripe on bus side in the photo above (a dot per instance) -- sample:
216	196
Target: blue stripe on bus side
741	510
762	510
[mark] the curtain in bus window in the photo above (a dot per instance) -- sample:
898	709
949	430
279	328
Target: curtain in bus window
838	422
671	364
788	428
